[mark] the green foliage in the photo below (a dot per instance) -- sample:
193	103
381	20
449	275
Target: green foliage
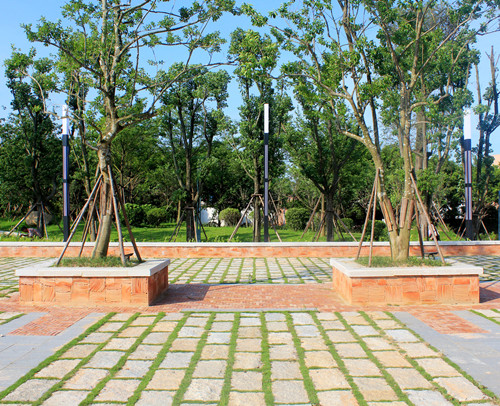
136	214
156	215
349	223
379	231
296	218
230	216
382	262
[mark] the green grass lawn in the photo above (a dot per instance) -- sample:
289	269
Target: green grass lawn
214	234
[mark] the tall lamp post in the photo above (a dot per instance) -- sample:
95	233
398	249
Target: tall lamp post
65	145
469	226
266	172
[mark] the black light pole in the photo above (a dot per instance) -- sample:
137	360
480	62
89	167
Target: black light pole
469	226
65	144
498	234
266	172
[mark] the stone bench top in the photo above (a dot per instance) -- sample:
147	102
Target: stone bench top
45	269
355	270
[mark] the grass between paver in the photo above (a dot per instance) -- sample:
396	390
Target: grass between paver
495	320
116	324
9	319
427	376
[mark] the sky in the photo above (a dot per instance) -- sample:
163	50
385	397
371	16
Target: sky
14	13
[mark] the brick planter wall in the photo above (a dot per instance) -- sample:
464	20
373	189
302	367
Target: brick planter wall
458	284
239	250
139	285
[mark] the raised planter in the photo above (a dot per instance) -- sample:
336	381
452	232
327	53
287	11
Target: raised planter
138	285
457	283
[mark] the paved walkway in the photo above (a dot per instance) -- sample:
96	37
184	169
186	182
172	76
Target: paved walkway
252	344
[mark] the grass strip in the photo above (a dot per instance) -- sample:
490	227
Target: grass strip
224	274
338	359
119	365
240	270
186	270
486	317
54	356
158	360
254	271
268	271
226	389
443	391
176	263
194	361
308	383
327	272
295	270
266	362
282	272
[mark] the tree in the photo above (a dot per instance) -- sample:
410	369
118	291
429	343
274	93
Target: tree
335	51
108	41
321	152
30	154
192	119
256	58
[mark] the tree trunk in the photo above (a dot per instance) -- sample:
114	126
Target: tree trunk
329	226
105	203
190	228
256	220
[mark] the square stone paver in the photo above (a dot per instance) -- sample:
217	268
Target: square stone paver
221	326
177	360
80	351
157	338
249	344
118	390
275	317
133	331
327	379
307	331
215	352
97	338
164	326
375	389
282	352
285	370
166	379
364	331
333	325
427	398
461	389
350	350
418	350
361	367
377	344
409	378
155	398
280	337
210	369
289	392
145	351
302	318
402	336
143	321
110	326
249	332
30	390
247	360
277	326
437	367
319	359
204	390
58	368
337	397
122	344
134	369
391	359
313	344
247	398
66	397
250	321
219	338
190	331
104	359
339	336
246	381
85	379
184	344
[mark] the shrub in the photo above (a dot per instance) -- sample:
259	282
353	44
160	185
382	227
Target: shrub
349	223
156	215
135	213
379	232
297	217
230	216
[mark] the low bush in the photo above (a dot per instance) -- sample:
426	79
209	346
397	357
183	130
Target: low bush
297	217
156	215
230	216
379	232
349	223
